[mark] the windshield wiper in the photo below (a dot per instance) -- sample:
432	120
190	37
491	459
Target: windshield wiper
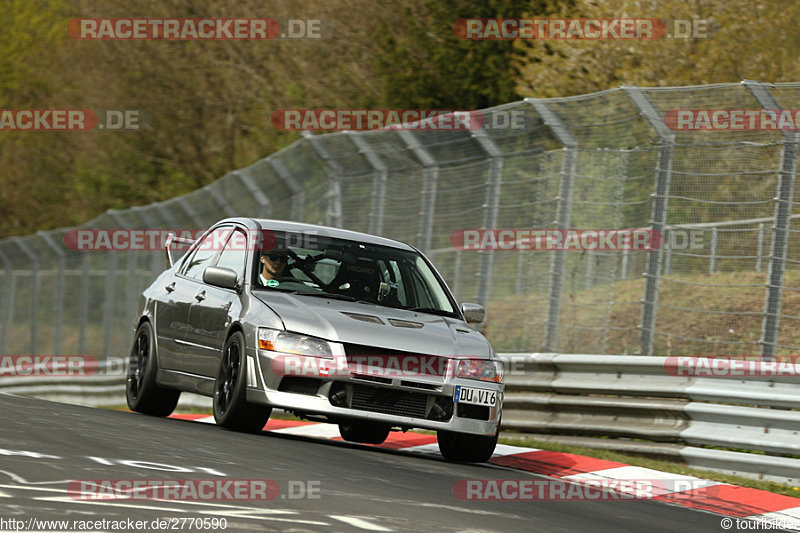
331	295
431	310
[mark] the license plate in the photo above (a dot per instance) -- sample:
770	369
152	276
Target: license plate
475	396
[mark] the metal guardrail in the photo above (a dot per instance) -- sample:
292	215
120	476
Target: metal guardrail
624	403
575	399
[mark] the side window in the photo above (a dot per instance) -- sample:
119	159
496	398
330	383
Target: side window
203	256
235	253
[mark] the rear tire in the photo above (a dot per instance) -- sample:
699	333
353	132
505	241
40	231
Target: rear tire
465	448
231	409
143	394
364	432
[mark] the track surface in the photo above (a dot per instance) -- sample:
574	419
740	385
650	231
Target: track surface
45	445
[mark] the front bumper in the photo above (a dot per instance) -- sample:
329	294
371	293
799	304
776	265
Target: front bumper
409	401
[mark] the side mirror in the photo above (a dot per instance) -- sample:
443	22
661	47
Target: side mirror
221	277
473	313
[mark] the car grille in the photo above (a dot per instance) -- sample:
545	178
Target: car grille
391	401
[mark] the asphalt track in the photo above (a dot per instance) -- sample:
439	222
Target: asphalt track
45	445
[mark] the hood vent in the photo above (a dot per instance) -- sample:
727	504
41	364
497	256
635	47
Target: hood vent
364	318
405	323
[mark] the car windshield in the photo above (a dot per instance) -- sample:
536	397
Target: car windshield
353	271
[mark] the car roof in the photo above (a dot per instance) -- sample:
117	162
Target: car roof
288	225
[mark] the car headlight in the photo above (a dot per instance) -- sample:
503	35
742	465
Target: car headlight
285	342
480	370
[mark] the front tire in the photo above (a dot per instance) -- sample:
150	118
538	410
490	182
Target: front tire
363	432
231	409
143	394
465	448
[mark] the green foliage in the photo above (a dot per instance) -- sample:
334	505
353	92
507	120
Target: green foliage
426	66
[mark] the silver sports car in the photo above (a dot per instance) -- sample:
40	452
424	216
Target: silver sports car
328	324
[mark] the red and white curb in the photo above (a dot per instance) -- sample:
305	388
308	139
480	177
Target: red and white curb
706	495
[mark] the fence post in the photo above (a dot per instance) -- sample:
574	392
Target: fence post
760	256
219	199
431	176
590	269
150	222
666	244
495	179
378	184
59	318
298	193
780	235
659	211
86	281
333	215
35	284
558	264
130	289
166	215
457	274
258	194
712	263
108	305
624	268
8	300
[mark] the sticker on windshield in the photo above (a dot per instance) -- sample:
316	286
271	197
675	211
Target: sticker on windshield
272	283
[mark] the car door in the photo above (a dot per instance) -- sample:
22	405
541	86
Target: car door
171	320
213	309
189	281
172	310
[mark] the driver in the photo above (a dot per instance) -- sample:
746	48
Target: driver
273	264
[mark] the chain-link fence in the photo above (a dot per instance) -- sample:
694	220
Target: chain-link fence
726	281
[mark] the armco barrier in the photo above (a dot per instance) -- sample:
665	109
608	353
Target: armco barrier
576	398
629	401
